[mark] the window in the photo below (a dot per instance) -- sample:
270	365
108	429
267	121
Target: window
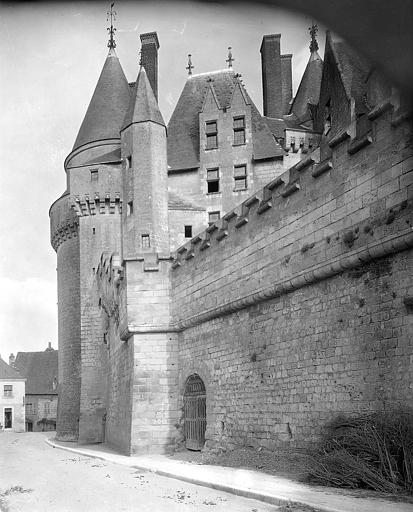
239	130
211	135
8	417
29	409
129	210
146	243
94	175
327	117
213	217
188	231
213	181
8	390
129	162
46	408
240	177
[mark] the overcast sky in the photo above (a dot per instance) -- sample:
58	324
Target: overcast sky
51	57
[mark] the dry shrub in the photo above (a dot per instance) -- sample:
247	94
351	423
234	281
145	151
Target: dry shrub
371	451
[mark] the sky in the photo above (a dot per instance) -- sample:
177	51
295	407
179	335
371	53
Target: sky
50	60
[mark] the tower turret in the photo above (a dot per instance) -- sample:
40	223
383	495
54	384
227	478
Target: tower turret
145	187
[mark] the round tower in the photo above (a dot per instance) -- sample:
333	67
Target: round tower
85	222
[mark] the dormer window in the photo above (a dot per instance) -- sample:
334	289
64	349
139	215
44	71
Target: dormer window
211	132
239	130
327	117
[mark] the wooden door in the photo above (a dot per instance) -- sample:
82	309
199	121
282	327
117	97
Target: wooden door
194	413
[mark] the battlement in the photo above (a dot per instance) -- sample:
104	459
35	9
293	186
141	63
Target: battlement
94	205
313	220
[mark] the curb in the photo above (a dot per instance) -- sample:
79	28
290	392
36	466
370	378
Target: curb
265	498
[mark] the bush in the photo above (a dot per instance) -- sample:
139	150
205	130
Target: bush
371	451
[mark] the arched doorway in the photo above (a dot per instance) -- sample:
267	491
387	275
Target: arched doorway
194	412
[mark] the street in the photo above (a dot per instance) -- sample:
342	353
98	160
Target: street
36	477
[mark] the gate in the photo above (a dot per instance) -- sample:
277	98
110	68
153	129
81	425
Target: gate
194	413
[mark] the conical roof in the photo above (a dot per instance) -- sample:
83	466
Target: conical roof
142	105
309	88
108	105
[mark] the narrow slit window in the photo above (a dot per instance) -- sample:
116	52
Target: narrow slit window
146	243
240	177
130	208
188	231
213	181
211	132
239	130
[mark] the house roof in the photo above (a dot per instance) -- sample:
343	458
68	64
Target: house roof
309	88
177	202
183	127
108	106
7	372
40	370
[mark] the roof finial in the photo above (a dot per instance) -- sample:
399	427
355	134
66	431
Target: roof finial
111	29
313	32
230	60
189	67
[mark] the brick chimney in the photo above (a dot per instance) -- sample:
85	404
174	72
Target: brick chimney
271	75
12	359
149	58
286	82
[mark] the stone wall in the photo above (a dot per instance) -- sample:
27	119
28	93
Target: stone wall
292	307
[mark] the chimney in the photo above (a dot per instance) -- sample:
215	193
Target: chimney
12	360
286	82
271	75
49	348
149	58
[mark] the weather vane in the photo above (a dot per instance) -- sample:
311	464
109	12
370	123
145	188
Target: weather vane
230	60
111	29
313	32
189	67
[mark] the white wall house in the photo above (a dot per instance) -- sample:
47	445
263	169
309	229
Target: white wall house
12	392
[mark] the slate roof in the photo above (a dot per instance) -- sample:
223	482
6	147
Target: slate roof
142	104
40	369
183	127
176	202
108	106
110	157
353	69
309	88
7	372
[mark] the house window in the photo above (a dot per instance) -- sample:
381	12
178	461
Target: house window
8	390
94	175
129	210
240	177
211	135
29	409
46	408
213	181
239	130
146	243
213	217
188	231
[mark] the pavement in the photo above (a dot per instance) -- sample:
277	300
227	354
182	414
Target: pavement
242	482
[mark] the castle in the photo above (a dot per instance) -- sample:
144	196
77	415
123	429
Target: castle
234	279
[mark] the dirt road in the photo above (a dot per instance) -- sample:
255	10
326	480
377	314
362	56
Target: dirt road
34	477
